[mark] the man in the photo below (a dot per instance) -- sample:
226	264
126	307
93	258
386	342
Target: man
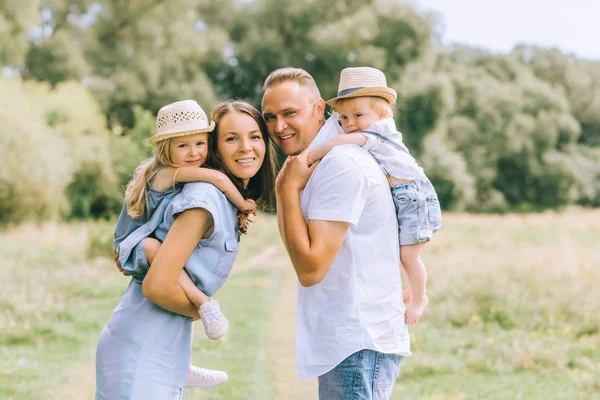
337	221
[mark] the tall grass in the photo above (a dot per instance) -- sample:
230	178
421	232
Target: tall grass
513	312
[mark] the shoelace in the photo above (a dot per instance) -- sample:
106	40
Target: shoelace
201	372
211	314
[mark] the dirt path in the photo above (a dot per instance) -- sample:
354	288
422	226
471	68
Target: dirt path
283	340
80	380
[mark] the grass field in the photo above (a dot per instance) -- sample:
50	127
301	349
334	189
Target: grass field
513	312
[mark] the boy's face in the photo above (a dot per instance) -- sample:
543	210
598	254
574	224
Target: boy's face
189	151
357	113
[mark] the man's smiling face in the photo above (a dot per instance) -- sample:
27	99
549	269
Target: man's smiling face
293	116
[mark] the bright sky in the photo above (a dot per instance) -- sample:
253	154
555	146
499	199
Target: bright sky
572	26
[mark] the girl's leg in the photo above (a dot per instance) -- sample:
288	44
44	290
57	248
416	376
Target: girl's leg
195	295
215	323
197	377
410	255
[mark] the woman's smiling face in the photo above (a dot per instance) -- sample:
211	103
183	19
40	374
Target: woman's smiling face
240	145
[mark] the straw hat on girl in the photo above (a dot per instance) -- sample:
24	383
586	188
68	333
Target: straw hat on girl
361	82
181	118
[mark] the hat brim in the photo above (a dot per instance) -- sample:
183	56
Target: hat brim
168	135
388	94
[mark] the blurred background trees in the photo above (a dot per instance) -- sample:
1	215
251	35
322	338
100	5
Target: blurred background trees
83	80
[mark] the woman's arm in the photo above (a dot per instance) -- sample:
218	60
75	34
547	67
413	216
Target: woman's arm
161	284
168	176
320	151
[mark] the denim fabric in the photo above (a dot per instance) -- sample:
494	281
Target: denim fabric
144	350
365	375
127	225
418	211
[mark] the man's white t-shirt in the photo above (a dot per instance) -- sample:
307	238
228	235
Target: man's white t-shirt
358	304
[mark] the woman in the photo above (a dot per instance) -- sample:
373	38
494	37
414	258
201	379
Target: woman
144	351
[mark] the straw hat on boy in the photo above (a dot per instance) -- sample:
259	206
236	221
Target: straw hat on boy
181	118
363	81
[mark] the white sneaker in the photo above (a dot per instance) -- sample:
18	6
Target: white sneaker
215	323
204	378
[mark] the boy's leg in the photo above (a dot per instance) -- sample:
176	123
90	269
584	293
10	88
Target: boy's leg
405	292
366	374
410	255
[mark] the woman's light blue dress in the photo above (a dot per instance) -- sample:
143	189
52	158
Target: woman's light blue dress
144	350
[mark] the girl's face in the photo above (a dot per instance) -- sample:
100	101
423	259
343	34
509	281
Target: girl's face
189	151
240	145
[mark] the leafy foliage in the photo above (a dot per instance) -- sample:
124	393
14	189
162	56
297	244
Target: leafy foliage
493	131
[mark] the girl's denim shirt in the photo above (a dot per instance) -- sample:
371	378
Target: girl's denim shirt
211	261
126	225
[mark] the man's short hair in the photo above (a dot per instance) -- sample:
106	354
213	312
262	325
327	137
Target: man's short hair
290	74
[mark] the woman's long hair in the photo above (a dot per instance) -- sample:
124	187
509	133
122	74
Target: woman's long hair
135	193
261	186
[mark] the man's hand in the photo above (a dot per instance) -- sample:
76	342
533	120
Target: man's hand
295	172
121	270
279	179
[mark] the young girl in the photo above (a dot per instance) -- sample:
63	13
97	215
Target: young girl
364	107
181	151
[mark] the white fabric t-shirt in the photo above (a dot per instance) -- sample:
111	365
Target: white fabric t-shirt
358	304
396	161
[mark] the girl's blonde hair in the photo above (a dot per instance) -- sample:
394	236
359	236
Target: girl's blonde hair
135	193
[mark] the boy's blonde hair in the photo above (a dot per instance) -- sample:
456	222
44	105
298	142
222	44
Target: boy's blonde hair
135	193
377	103
289	74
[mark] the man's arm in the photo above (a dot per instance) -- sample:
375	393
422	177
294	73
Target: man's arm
312	248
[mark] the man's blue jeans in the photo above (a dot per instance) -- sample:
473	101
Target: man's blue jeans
365	375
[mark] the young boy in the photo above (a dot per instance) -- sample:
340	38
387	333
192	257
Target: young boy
364	104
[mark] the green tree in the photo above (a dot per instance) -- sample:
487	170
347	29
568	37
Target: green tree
321	38
145	52
17	19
